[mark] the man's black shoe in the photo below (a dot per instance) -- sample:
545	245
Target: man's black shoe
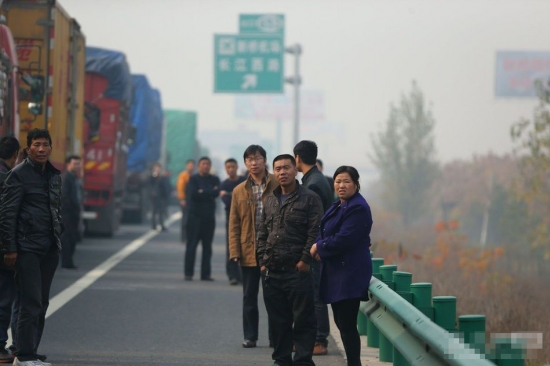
233	282
207	279
5	356
41	357
189	278
249	343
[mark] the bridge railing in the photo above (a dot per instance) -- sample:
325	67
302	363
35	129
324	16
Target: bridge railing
409	327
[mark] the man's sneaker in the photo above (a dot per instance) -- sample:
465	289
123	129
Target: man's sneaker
16	362
5	356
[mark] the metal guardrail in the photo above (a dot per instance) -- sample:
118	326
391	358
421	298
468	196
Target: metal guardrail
411	328
416	338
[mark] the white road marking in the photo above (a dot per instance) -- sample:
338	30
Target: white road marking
95	274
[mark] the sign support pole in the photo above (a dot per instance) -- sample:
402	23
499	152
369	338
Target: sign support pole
296	80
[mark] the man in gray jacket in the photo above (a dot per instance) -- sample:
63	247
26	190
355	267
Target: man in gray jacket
305	153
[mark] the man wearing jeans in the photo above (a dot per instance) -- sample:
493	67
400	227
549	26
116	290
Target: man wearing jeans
30	229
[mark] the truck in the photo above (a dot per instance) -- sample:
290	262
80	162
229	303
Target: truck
107	135
50	50
181	140
9	83
147	119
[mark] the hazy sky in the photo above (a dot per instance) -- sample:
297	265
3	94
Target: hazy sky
360	54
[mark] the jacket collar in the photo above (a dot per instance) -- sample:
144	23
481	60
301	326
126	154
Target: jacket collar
267	178
4	165
278	191
37	167
310	172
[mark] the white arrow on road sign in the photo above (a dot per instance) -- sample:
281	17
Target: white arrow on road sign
250	81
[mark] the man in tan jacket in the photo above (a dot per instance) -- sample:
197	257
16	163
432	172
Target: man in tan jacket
244	224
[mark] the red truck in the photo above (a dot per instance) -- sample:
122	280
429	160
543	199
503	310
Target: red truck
107	134
9	84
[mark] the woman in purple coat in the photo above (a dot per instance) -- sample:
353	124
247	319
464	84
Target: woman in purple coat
342	246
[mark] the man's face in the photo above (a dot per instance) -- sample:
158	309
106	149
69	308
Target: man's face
255	163
204	167
285	172
231	169
75	166
40	150
156	170
190	167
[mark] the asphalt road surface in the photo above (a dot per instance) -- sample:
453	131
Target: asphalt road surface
134	308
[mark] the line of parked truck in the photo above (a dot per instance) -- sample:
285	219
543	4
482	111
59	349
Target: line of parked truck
93	107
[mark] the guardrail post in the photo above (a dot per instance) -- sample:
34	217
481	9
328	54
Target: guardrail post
445	312
372	331
509	352
422	298
472	328
385	346
362	323
402	282
387	274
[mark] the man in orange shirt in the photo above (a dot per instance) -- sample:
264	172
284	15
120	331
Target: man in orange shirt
183	179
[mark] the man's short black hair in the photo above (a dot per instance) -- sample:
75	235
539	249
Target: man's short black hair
252	150
307	150
283	157
38	134
70	158
320	162
231	160
205	158
8	146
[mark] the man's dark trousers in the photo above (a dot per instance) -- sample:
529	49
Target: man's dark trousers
184	213
199	228
158	212
251	288
7	297
288	297
231	268
34	275
321	309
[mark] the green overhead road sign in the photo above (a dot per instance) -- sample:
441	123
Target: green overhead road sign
248	63
262	23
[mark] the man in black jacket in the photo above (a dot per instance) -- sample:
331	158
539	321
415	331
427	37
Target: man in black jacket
30	227
305	153
9	149
202	190
290	224
71	208
159	192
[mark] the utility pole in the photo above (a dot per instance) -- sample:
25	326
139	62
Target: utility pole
295	80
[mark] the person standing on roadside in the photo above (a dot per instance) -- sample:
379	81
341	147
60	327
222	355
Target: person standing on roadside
290	223
329	179
71	208
244	227
9	151
202	190
183	179
343	249
305	153
226	194
30	227
159	192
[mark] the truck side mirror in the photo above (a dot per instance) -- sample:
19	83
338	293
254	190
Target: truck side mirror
35	108
36	92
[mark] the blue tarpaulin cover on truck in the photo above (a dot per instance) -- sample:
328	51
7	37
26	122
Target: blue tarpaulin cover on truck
113	66
146	115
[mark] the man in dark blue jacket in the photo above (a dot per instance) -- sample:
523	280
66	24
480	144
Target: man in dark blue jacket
305	153
30	227
202	190
9	149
